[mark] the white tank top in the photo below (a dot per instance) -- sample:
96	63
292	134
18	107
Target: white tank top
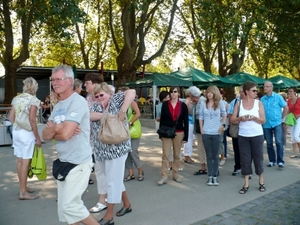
250	128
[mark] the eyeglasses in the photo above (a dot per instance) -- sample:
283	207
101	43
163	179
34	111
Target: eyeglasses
97	96
253	90
58	79
173	91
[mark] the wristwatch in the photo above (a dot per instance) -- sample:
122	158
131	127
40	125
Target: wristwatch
224	125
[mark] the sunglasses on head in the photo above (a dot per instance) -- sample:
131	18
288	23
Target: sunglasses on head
97	96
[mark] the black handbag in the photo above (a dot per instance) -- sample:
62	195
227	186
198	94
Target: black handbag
167	132
233	129
60	169
197	126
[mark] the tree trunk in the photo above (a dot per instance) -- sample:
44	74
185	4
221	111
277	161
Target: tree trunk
10	82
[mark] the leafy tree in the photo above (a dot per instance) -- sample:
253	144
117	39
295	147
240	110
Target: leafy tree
140	23
21	20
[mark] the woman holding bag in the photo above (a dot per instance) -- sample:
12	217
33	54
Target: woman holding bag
24	140
294	107
133	114
112	157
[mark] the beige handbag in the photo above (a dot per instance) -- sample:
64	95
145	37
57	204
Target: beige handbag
113	130
22	118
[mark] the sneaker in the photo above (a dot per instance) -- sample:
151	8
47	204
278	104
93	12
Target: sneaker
222	162
280	165
271	164
177	179
215	181
236	172
210	181
180	169
162	181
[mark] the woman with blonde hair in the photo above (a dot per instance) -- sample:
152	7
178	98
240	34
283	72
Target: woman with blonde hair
25	140
112	157
211	129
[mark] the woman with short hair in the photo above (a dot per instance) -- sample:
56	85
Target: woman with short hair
24	140
250	115
112	157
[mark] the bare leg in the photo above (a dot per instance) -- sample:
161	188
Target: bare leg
126	202
88	221
261	179
246	181
109	212
203	167
22	170
130	172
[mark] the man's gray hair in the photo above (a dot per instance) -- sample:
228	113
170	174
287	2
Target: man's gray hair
68	71
194	91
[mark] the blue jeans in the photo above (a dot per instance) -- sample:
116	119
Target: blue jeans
268	133
212	144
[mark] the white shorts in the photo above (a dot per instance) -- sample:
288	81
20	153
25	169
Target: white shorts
23	143
70	206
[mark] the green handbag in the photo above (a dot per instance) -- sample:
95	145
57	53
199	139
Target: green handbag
38	164
290	119
135	129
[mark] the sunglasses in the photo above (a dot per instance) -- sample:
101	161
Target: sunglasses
253	90
97	96
173	91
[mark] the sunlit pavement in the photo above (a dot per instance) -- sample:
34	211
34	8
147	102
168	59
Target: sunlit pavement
173	203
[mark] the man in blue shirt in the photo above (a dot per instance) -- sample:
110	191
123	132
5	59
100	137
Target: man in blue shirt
273	105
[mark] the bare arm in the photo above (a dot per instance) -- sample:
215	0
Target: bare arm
136	109
12	115
61	132
129	97
32	119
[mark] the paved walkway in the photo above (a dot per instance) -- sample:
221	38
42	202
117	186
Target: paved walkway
279	207
191	202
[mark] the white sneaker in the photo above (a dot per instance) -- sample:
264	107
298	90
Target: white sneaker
222	162
210	181
162	181
215	181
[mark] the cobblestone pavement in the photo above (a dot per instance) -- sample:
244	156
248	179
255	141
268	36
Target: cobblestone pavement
281	207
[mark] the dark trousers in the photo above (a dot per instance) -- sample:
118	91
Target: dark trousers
236	150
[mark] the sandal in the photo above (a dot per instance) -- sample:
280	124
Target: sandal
244	190
106	222
200	172
98	208
293	156
141	176
262	187
124	211
91	181
27	196
128	178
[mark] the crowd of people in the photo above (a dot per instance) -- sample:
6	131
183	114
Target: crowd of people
74	124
